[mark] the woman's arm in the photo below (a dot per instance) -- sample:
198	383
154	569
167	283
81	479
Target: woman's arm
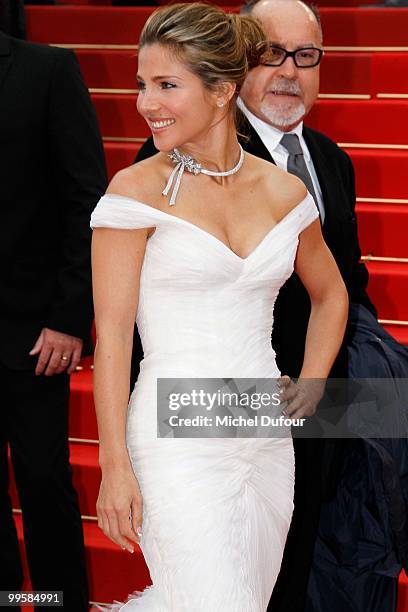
117	257
317	269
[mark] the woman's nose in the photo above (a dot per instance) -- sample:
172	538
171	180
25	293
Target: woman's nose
147	101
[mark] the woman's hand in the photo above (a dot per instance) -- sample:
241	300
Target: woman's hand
119	507
302	397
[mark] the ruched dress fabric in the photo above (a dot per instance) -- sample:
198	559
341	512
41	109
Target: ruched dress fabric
216	511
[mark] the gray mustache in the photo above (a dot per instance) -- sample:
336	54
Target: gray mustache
288	87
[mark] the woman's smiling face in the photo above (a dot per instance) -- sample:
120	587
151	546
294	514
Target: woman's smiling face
173	100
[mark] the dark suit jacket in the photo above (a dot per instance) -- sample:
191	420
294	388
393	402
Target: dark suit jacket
12	18
51	176
292	309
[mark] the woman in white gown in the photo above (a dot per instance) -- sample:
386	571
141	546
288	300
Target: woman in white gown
201	276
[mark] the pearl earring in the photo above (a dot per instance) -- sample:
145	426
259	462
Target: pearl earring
220	104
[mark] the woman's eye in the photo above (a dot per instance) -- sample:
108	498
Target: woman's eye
167	85
140	85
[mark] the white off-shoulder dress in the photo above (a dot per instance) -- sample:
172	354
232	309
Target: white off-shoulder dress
216	511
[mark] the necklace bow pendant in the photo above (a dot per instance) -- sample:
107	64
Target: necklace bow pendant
186	162
189	163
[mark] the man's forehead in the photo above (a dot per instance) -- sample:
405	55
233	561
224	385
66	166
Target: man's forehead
291	45
287	22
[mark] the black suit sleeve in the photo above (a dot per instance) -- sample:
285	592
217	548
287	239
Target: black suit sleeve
78	179
359	273
147	150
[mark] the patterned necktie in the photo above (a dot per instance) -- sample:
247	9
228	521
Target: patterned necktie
297	165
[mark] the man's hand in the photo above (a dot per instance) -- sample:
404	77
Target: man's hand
57	352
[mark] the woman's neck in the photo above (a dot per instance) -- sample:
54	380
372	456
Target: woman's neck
218	153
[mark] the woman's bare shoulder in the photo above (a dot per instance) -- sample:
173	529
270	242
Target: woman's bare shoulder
141	181
283	190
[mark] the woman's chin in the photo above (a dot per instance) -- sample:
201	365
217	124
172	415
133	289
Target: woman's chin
162	144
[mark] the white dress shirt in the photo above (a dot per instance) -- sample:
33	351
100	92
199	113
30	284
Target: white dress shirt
271	137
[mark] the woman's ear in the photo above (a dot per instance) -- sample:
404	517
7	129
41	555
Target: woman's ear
225	92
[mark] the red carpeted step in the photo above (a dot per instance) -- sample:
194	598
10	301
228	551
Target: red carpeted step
374	27
364	73
102	25
361	121
380	173
82	420
383	229
86	2
388	288
346	73
86	476
387	73
119	155
118	116
86	24
341	3
108	68
113	573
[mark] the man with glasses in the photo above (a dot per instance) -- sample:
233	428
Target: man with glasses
274	99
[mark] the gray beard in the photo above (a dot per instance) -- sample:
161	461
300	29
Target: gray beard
280	119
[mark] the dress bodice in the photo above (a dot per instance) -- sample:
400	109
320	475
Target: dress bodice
198	297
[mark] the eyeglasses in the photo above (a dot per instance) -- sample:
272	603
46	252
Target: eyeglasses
307	57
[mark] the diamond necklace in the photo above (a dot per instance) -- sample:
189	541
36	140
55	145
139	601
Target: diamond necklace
186	162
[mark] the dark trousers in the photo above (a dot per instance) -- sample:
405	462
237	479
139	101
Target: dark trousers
34	421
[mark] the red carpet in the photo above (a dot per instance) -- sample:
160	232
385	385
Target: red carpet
374	131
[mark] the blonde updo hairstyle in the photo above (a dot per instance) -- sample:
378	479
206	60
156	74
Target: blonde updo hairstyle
215	46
